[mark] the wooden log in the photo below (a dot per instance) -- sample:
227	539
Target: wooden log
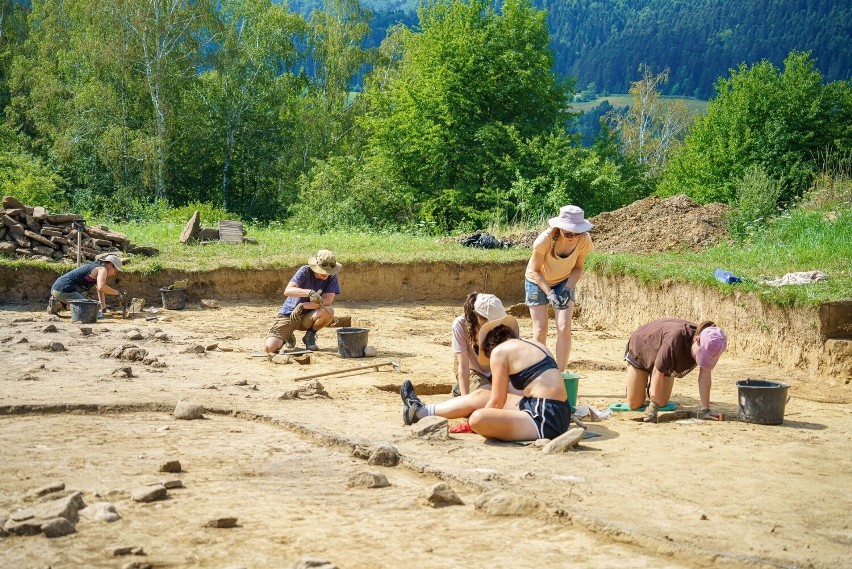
43	240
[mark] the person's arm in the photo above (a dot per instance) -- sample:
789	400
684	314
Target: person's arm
499	379
327	299
704	383
295	289
103	287
536	263
463	363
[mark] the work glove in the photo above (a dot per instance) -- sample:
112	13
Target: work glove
708	415
558	302
651	412
316	297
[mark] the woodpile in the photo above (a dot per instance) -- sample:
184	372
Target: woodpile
33	232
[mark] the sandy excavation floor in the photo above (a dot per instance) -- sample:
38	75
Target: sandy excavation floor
686	494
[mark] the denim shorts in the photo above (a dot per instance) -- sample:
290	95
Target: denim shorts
536	297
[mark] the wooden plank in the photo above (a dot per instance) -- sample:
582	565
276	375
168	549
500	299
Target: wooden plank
230	231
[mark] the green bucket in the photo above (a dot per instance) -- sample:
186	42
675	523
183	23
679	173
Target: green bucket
572	382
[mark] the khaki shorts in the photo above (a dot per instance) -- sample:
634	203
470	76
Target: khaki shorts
282	327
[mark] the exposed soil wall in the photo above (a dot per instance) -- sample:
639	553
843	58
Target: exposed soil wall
814	340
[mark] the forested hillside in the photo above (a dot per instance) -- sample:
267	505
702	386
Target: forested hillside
603	42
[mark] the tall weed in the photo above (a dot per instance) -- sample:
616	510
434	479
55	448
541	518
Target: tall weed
757	198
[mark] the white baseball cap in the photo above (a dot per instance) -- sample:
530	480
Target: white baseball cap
489	306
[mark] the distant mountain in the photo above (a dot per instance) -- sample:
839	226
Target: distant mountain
602	42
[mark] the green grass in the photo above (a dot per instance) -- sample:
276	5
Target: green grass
799	241
625	100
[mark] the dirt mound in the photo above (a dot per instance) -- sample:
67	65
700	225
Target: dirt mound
648	226
655	224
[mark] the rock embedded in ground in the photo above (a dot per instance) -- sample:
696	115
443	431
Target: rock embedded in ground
187	410
123	371
194	349
172	466
441	495
127	352
50	328
172	484
314	563
384	455
565	441
499	503
57	527
101	512
222	523
49	488
162	336
151	493
137	565
210	303
368	480
134	335
48	346
86	330
432	427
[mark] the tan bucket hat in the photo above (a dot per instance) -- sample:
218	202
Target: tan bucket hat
115	260
324	263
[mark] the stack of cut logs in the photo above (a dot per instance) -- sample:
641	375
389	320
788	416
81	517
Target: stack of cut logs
34	233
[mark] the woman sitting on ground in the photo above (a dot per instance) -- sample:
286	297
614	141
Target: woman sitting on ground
528	366
479	308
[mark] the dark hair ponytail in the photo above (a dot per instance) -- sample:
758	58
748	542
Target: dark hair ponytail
471	319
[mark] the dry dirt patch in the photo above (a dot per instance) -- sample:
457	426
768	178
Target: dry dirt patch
684	493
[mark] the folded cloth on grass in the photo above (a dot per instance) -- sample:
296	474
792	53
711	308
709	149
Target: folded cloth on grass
621	406
803	277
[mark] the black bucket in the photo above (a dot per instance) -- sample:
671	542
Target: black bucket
84	310
351	342
174	298
762	402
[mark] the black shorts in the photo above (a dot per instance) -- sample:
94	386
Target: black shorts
551	416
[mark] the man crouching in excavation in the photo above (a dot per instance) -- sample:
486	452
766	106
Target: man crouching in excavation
310	294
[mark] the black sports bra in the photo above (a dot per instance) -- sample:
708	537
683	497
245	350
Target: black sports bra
523	378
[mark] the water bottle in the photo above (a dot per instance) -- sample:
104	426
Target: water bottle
726	277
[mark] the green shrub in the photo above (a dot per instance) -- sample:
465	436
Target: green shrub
757	196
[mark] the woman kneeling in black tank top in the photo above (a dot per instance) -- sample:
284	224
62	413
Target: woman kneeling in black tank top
544	412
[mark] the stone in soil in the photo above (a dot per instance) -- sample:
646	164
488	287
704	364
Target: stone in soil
151	493
49	488
101	512
314	563
565	441
222	523
368	480
441	495
384	455
432	427
57	527
187	410
499	503
172	466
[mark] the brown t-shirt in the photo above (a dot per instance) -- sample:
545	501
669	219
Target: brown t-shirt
665	344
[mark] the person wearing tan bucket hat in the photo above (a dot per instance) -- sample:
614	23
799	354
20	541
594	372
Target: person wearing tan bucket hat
308	306
73	284
553	271
666	348
479	308
528	366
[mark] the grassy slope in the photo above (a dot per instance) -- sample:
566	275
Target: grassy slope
799	242
625	100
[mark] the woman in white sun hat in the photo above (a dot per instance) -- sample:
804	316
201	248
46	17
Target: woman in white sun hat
553	271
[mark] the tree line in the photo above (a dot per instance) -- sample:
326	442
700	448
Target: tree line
119	108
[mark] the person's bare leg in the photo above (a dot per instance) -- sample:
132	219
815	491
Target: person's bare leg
503	424
464	405
637	380
273	344
323	318
564	319
661	390
538	314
